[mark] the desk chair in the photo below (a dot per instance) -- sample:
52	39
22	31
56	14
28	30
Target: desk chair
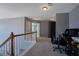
58	45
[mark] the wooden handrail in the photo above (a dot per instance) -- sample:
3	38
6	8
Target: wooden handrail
24	34
4	41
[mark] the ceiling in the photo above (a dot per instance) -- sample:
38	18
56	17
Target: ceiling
33	10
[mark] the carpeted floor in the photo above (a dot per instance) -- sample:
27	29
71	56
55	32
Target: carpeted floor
43	47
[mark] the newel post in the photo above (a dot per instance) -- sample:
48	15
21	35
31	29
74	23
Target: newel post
11	44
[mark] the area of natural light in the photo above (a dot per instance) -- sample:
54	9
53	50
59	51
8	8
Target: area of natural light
36	28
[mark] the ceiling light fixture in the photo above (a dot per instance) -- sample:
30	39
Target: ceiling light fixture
45	8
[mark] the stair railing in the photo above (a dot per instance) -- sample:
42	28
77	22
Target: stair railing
7	47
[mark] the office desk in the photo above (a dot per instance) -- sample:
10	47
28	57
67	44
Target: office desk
75	39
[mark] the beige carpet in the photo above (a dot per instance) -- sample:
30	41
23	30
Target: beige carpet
43	47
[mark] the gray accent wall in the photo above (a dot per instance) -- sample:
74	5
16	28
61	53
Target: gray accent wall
74	18
62	23
44	28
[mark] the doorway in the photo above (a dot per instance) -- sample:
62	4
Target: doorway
52	29
36	28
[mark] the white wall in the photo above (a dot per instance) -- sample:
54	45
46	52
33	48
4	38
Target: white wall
74	18
15	25
44	28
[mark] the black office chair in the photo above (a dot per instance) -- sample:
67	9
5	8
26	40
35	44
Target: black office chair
59	39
